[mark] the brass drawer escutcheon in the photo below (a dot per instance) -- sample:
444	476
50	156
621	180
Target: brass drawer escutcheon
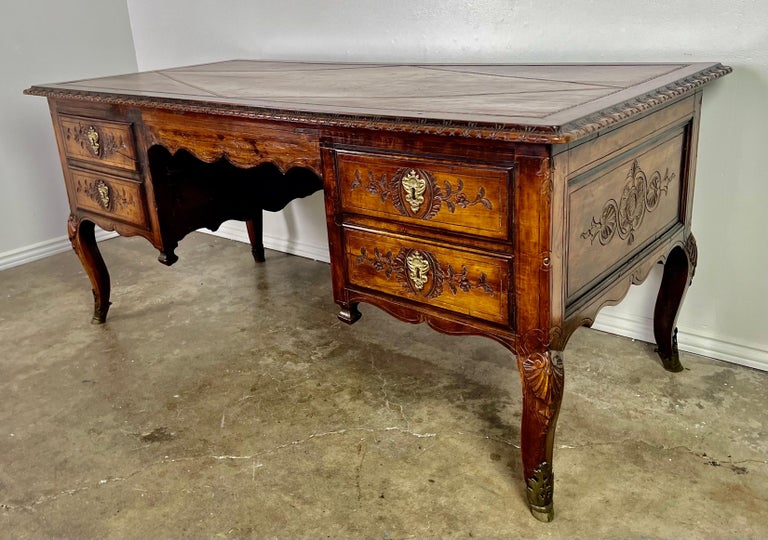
414	186
102	194
418	269
93	140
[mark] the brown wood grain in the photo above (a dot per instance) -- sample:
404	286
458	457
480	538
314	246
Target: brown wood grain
122	200
114	141
456	197
457	280
242	142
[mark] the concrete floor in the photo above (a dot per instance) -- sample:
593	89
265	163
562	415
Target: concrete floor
226	400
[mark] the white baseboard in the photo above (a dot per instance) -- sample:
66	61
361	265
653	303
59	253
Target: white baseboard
40	250
632	326
237	231
622	324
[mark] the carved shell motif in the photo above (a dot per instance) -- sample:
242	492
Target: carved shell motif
543	375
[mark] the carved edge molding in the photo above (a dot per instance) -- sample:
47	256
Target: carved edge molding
453	128
641	194
412	185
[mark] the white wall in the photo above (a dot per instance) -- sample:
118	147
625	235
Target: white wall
46	41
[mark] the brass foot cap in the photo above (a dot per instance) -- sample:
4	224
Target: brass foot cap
100	315
349	315
672	363
543	513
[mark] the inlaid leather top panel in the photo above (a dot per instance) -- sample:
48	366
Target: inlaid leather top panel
543	97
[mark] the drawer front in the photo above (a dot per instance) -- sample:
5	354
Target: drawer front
621	208
444	195
452	279
110	196
100	141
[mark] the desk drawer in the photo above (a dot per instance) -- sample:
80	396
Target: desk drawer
428	273
99	141
441	194
117	198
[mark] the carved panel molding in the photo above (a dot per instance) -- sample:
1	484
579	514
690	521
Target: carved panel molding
622	218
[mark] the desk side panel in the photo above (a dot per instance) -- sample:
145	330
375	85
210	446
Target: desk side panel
618	209
627	206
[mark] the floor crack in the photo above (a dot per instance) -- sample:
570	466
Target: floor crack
49	498
709	459
362	449
311	437
387	402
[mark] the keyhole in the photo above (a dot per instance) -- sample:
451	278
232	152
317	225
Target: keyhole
418	274
413	193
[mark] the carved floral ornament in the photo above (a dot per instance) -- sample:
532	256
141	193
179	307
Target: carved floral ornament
420	273
415	192
622	218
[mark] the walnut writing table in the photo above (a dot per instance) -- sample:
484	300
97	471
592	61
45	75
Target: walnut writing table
510	201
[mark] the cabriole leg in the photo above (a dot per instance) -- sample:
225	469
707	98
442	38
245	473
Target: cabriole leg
541	374
678	273
81	234
255	228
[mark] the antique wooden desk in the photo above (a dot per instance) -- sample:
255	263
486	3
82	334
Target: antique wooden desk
510	201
